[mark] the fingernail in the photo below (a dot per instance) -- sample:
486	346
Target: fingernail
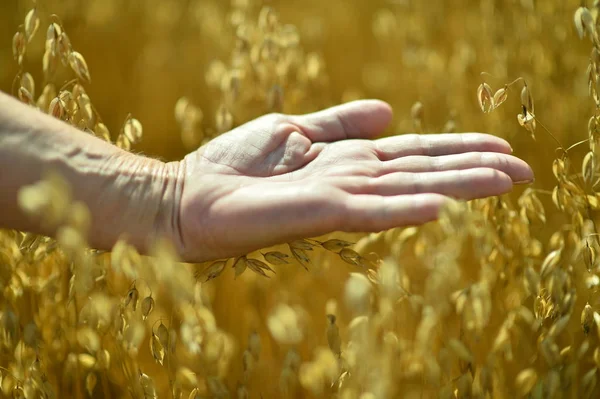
511	150
524	181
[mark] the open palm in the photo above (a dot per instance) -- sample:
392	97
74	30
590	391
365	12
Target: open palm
281	177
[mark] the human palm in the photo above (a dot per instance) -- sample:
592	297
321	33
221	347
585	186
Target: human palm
281	177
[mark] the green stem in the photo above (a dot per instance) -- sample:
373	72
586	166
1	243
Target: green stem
542	191
549	132
576	144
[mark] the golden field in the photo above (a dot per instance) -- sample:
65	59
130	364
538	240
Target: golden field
498	299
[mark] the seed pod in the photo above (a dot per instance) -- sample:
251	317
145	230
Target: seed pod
301	257
214	270
449	127
157	349
186	377
195	394
85	106
302	244
147	306
335	245
177	391
86	361
172	340
32	24
132	297
578	19
500	96
19	46
88	338
181	108
25	96
133	130
588	382
123	142
589	256
587	318
240	266
527	120
52	37
255	267
526	316
588	21
267	19
533	280
57	108
276	258
583	348
485	97
79	66
163	335
532	207
588	168
28	83
133	336
224	119
349	256
64	48
417	114
103	358
460	350
255	263
333	336
102	131
49	64
90	383
557	197
593	122
18	392
525	381
550	262
147	385
526	98
119	323
559	168
417	111
559	326
550	352
464	385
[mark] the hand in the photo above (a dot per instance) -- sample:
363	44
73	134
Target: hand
280	178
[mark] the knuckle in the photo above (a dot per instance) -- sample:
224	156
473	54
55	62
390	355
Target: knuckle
273	118
413	139
434	164
493	174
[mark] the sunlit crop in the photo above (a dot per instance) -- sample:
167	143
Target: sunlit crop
499	298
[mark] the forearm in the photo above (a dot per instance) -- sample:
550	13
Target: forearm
126	194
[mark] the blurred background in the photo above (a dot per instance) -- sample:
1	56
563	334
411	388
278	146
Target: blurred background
145	55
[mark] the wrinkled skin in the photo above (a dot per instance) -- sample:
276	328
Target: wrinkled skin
282	177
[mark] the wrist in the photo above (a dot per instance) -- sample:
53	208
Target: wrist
141	205
129	196
167	193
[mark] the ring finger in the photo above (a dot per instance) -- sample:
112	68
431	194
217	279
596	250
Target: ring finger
461	184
